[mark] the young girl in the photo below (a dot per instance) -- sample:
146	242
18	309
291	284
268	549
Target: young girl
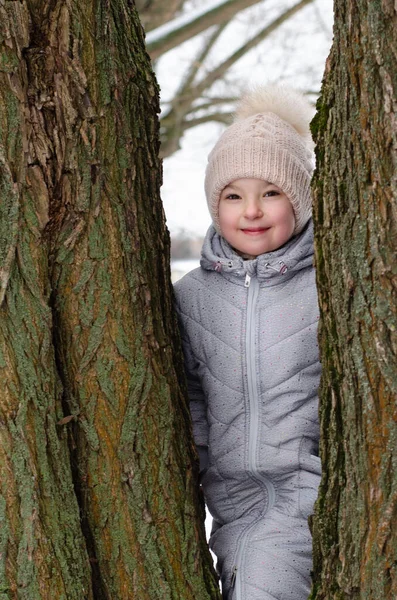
249	327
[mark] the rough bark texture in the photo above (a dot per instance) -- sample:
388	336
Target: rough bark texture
98	495
355	188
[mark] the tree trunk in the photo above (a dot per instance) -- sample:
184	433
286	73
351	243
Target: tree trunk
98	494
355	188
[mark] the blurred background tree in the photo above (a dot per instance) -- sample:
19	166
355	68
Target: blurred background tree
208	86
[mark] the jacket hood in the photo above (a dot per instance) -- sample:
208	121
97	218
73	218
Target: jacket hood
296	254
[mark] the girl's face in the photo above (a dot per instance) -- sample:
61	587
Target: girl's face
255	216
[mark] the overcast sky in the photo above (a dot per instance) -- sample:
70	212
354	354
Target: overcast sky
295	54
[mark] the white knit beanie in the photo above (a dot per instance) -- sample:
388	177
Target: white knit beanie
270	140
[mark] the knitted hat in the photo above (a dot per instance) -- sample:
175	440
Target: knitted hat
269	139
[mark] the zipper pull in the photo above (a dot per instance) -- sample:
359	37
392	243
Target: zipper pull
283	267
218	266
247	281
233	579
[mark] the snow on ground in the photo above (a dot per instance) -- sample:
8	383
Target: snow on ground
179	268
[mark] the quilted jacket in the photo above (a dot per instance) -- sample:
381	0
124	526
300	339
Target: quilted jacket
249	331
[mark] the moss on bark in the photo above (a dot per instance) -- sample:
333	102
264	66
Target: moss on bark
99	492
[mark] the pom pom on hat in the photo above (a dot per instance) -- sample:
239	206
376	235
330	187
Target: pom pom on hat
288	104
269	139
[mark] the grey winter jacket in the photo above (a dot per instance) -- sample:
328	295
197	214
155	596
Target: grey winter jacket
249	330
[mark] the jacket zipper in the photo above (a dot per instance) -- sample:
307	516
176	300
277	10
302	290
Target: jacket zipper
252	285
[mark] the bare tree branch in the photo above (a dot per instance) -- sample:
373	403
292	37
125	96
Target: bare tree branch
218	117
172	121
216	74
207	101
191	104
220	71
172	34
212	102
154	13
170	143
198	62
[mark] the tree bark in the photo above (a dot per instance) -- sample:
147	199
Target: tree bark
98	493
355	211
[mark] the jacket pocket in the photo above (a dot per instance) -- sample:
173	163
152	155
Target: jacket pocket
309	479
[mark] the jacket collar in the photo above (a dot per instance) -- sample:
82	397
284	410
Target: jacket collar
281	264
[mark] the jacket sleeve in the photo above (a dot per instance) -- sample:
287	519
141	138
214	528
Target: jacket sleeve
198	409
197	401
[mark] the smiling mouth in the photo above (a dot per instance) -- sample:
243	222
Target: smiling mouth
255	230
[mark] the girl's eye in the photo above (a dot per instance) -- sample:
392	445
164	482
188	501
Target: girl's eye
271	193
232	197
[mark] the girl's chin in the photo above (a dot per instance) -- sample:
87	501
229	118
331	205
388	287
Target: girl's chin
251	251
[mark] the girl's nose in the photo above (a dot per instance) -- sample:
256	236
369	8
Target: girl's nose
253	209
